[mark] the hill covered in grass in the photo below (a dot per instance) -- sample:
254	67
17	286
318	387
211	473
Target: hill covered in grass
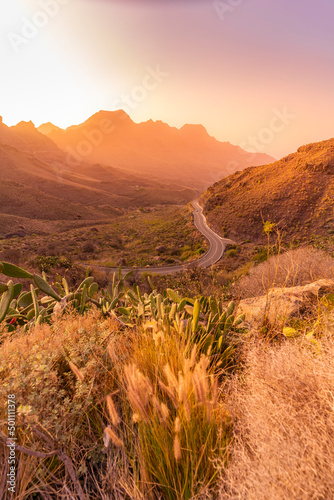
296	193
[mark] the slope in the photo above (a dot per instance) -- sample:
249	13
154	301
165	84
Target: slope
296	193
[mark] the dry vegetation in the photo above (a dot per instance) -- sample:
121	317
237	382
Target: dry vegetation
146	395
292	268
139	415
119	412
283	412
296	193
140	237
131	409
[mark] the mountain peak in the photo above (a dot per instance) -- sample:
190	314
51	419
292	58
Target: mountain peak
24	126
115	117
47	128
195	130
119	114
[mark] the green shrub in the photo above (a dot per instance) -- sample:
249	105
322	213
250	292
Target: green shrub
231	253
45	263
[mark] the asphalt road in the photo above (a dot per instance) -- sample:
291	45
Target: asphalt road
213	255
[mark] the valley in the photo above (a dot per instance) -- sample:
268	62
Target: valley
142	237
115	205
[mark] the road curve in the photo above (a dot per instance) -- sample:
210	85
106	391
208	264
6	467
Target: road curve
217	246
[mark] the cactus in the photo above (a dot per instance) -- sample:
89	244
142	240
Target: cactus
196	313
202	321
6	299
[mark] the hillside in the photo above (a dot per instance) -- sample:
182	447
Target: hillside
187	156
296	193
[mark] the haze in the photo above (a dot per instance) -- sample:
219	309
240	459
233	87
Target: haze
227	65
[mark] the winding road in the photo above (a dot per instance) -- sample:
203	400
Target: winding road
213	255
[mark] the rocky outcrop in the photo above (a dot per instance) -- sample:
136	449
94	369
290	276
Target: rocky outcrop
283	303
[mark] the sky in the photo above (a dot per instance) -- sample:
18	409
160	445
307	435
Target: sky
256	73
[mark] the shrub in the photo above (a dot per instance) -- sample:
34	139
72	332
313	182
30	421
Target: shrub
52	403
260	256
231	253
11	254
185	255
89	247
51	262
292	268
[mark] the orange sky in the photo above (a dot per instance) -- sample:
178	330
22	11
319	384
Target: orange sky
258	73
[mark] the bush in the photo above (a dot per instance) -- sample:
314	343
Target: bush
294	267
12	255
46	263
231	253
89	247
52	402
260	256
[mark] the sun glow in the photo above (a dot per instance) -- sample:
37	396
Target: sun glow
63	60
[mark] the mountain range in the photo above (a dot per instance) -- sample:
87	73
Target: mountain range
107	164
188	156
38	181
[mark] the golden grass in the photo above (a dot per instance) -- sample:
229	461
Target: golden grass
292	268
137	411
142	415
283	413
179	427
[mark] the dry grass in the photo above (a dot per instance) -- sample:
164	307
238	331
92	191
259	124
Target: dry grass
295	267
182	428
136	412
173	426
283	411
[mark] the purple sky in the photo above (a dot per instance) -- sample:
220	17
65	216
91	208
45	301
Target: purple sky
235	66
